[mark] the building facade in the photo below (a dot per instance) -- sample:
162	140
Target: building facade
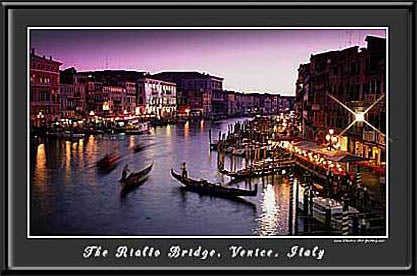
160	97
73	94
355	77
129	100
197	91
44	89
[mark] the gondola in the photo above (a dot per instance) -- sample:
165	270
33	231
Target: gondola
135	179
141	147
205	187
259	172
249	173
137	131
108	163
246	173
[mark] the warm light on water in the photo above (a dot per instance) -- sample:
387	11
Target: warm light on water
273	218
40	168
69	195
187	129
268	220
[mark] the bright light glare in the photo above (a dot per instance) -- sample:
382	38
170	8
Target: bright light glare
360	117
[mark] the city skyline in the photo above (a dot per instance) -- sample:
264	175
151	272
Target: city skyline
235	55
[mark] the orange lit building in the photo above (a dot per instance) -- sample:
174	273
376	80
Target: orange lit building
355	77
44	89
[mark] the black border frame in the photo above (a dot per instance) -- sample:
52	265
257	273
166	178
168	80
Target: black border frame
9	5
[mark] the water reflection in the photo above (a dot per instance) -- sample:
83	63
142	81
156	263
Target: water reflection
40	171
77	200
268	220
273	219
132	142
186	129
168	130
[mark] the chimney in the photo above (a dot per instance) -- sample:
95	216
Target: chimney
32	51
50	57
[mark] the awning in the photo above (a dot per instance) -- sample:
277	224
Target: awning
350	158
333	155
338	155
306	145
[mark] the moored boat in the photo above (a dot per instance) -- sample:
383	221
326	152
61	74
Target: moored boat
137	131
72	135
239	152
246	173
276	167
335	209
205	187
229	149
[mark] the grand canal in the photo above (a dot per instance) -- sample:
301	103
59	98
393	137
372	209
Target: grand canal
70	197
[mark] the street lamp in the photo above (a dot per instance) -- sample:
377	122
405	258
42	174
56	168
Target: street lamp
360	117
332	140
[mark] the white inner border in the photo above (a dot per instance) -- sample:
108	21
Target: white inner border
209	237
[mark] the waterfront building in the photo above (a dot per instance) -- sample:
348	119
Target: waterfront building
160	97
286	103
129	99
232	103
44	89
73	100
133	101
246	103
197	91
113	99
219	103
73	94
95	104
356	77
275	103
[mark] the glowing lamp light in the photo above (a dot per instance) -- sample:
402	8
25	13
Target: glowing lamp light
328	137
331	131
360	117
106	106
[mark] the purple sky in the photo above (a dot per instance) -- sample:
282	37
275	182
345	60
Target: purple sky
248	60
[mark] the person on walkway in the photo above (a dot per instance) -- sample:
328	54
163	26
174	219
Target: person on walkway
184	170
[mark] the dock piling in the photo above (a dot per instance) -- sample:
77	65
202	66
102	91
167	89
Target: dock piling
345	218
291	202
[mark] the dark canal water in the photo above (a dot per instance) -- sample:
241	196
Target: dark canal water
70	197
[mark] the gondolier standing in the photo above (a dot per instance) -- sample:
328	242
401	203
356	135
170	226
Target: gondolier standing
184	170
125	171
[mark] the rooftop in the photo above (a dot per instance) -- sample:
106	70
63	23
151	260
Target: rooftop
34	56
184	74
